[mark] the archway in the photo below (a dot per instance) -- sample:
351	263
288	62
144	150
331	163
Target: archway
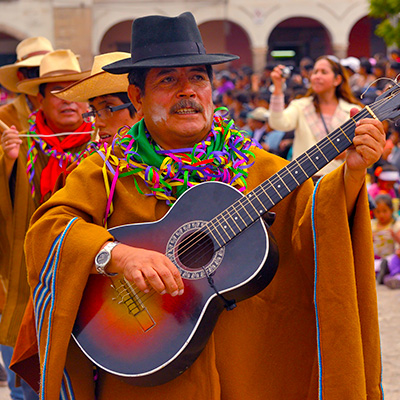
8	44
296	38
362	39
218	37
117	38
221	36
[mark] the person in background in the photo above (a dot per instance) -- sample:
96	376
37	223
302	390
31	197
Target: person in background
385	234
110	107
394	156
391	276
393	71
29	55
387	177
325	107
30	163
352	65
111	111
306	66
256	123
261	131
364	87
379	71
29	52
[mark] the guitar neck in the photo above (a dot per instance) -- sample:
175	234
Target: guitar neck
237	217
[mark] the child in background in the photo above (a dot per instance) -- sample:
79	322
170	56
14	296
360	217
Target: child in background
387	177
392	276
385	235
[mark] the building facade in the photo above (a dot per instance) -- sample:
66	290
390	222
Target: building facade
255	29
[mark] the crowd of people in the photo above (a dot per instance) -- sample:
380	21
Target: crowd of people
85	151
243	90
289	115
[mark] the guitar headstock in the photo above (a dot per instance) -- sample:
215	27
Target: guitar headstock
387	105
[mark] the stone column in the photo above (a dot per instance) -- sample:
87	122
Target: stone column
73	30
259	58
340	49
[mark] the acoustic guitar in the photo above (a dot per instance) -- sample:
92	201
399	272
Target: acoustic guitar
217	239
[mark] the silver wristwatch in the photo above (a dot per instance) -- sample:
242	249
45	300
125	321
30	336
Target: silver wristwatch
103	257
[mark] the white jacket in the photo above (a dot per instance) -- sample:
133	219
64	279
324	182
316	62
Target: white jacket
293	118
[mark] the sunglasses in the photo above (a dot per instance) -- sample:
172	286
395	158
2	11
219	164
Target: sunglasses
103	113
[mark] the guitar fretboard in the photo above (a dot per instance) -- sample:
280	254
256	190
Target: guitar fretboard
237	217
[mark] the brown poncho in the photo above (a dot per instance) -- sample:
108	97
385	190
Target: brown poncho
311	334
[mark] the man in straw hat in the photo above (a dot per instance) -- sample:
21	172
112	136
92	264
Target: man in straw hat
29	166
111	111
29	54
271	345
257	121
110	107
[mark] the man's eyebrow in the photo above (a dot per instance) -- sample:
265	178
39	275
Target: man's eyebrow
100	103
169	70
199	69
166	71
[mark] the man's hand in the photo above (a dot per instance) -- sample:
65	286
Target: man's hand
368	145
367	148
10	143
146	267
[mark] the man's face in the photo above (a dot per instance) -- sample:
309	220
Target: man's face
108	125
61	115
177	105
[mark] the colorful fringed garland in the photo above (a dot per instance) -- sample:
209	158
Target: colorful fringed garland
223	156
32	154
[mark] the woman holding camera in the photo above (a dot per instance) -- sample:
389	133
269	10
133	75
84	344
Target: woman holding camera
325	107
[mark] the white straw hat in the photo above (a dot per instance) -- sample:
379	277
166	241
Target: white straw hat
99	82
30	53
57	66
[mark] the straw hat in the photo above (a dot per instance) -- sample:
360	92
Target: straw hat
259	114
57	66
99	82
159	41
29	54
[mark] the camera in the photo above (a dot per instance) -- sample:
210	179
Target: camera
286	72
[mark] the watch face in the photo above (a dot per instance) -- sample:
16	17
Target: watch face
103	258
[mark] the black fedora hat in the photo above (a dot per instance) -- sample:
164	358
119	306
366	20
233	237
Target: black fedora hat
159	41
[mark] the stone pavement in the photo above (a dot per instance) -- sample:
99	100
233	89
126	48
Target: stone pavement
389	321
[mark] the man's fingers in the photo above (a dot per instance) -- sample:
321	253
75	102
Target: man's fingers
156	271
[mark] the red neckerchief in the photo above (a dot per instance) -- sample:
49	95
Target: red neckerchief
55	165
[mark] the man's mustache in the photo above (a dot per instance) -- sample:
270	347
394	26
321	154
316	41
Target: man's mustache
186	103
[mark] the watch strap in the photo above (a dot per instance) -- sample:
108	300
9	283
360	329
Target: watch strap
101	269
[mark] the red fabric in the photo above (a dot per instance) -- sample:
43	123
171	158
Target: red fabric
53	168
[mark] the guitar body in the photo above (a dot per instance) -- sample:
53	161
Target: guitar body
150	339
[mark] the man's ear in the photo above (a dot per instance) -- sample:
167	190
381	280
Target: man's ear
40	98
20	76
135	96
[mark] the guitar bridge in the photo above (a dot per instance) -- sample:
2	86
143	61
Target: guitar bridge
134	304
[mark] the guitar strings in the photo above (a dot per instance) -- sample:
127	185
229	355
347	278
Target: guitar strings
274	179
282	174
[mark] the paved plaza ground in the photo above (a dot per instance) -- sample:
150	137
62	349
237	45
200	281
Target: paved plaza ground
389	320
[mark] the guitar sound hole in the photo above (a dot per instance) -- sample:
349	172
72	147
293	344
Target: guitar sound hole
195	250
